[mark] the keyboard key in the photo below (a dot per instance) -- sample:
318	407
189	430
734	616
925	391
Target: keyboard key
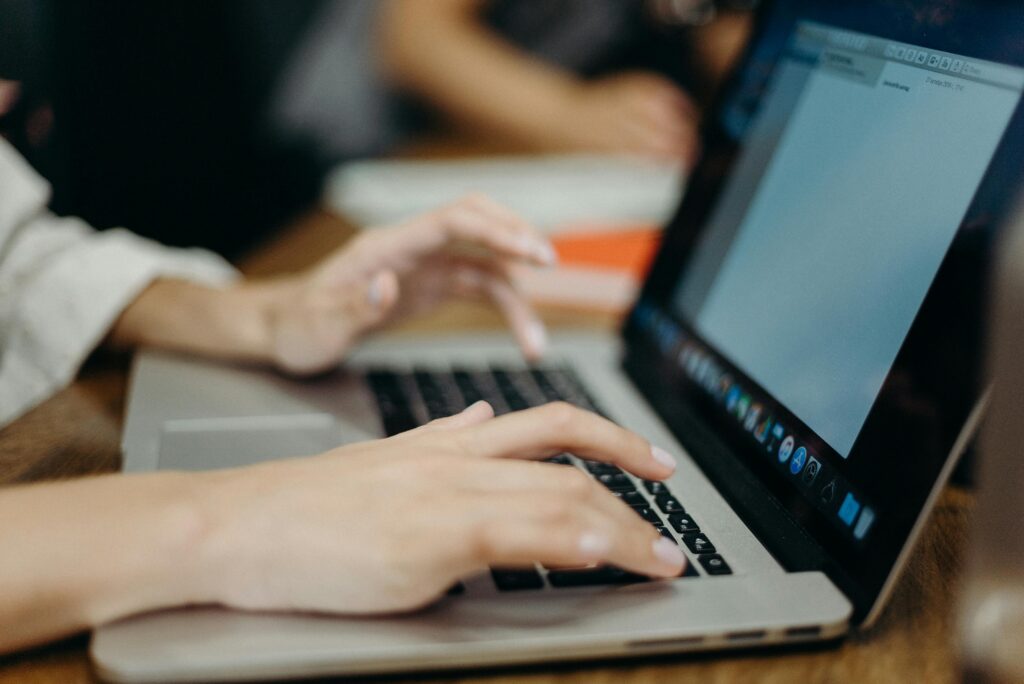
509	390
576	392
544	384
590	578
598	468
617	482
647	514
656	488
467	386
683	524
633	498
427	384
691	570
456	589
669	504
664	532
397	421
395	412
561	459
715	564
517	580
698	543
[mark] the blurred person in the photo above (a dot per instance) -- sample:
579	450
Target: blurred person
565	75
213	124
576	75
77	554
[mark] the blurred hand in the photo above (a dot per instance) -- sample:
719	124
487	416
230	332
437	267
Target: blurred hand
631	113
389	525
389	273
9	92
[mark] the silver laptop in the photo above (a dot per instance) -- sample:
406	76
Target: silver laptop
806	342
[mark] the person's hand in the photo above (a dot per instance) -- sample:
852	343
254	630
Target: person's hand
9	92
387	273
389	525
635	113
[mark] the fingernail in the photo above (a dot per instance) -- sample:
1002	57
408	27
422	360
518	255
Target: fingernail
375	293
536	338
474	406
525	245
546	254
594	545
668	553
537	248
663	457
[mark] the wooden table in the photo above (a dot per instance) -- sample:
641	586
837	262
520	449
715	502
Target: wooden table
78	431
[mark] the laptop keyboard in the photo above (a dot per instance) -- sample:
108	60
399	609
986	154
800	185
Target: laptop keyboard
409	399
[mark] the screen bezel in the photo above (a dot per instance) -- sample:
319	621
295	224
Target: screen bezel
935	381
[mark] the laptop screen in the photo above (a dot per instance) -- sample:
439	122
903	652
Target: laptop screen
852	176
852	187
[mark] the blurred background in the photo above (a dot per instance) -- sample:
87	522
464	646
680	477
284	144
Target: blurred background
214	123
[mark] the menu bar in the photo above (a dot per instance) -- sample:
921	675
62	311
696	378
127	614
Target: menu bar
982	71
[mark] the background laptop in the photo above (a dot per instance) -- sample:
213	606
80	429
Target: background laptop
807	341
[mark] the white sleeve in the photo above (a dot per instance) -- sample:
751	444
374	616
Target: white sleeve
63	285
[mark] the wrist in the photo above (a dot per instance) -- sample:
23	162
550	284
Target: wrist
232	554
163	559
229	323
250	313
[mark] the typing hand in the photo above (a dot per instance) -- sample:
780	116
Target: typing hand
393	272
389	525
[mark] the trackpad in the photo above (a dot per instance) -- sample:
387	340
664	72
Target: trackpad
211	443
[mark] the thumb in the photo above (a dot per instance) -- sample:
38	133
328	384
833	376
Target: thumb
364	309
380	297
313	339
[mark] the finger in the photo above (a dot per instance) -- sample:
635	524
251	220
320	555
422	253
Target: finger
472	415
665	92
496	478
659	147
650	138
530	236
479	223
663	116
381	296
526	325
492	282
557	532
553	428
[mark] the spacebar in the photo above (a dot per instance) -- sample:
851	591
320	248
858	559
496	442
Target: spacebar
590	578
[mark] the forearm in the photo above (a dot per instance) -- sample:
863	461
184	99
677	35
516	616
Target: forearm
78	554
443	52
228	323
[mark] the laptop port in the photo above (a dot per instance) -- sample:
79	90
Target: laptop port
752	635
807	632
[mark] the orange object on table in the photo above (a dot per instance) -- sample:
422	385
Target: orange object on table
626	249
601	266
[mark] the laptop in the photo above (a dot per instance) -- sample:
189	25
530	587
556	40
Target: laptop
806	342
